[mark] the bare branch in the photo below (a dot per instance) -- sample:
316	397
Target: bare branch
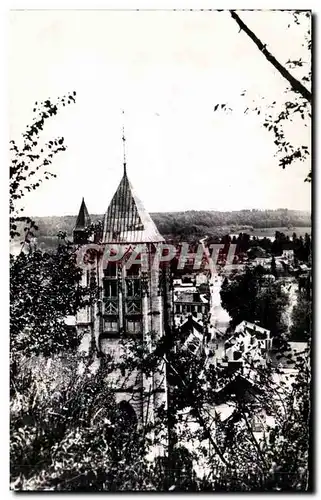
295	84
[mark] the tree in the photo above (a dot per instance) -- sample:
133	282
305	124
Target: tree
270	307
29	161
238	296
44	287
273	267
279	113
301	318
246	298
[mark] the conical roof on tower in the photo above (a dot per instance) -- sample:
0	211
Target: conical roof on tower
83	219
126	219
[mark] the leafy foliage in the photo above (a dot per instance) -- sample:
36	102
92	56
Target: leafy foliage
246	298
44	289
71	435
302	318
30	160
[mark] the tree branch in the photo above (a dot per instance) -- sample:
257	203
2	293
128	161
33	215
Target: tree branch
295	84
200	418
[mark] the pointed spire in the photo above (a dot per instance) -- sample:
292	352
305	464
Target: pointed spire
82	222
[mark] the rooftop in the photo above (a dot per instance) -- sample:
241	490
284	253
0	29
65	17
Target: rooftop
83	219
126	219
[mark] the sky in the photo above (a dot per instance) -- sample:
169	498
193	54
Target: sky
166	70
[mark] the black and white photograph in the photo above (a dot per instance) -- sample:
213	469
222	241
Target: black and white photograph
160	206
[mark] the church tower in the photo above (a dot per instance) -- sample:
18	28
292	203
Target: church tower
84	317
134	301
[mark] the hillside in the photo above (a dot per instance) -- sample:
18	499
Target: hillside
197	223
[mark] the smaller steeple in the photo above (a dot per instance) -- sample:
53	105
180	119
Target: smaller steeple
82	222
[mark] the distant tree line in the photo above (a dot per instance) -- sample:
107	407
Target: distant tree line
301	246
193	224
251	247
192	221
